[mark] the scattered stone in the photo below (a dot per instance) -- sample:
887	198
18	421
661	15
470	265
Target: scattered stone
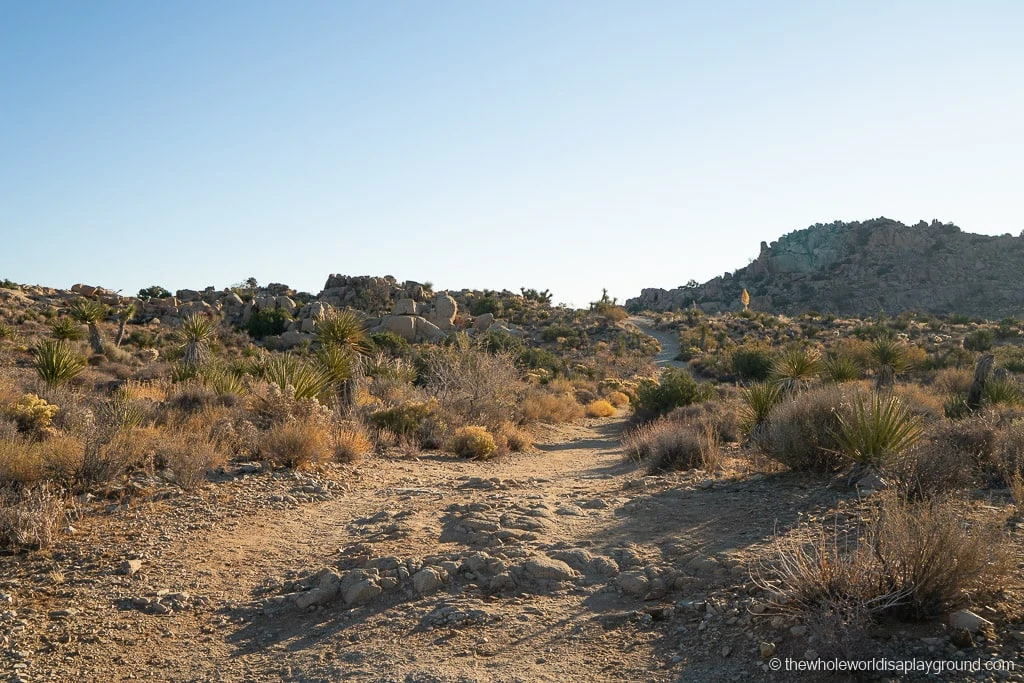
547	569
428	580
634	583
968	621
767	650
130	567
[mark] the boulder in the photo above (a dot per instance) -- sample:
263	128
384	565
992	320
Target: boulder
285	303
484	321
444	311
428	580
404	307
402	325
967	620
428	331
548	569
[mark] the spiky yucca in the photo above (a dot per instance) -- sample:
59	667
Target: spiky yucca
56	363
309	380
90	313
841	369
877	429
889	358
759	399
342	329
796	366
198	331
65	329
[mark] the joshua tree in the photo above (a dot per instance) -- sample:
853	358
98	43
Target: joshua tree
126	314
90	313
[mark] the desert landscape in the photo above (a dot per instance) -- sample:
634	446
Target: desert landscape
384	482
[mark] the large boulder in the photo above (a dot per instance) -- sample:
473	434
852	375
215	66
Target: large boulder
444	311
428	331
402	325
404	307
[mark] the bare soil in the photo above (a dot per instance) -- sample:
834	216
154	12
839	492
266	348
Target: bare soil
611	575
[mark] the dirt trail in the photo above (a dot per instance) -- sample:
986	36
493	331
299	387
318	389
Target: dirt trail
668	339
565	563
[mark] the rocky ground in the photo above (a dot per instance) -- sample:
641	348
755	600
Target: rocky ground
565	563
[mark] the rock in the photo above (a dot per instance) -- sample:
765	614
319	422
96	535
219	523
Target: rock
483	321
362	592
402	325
633	582
428	580
404	307
767	650
798	631
595	504
968	621
285	303
428	331
444	311
544	568
130	567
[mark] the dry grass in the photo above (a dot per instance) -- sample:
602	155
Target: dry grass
670	445
188	458
618	399
297	445
30	517
600	408
800	430
541	405
514	437
352	442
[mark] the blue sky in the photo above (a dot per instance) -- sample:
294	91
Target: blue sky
566	145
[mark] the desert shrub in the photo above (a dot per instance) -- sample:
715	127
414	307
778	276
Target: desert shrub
752	363
21	461
62	458
154	292
618	399
877	429
475	386
513	437
56	363
421	420
979	340
487	304
841	369
675	388
389	342
66	329
930	470
545	405
600	408
921	401
351	443
670	445
936	557
296	445
222	381
800	431
473	441
33	415
542	359
187	399
188	458
108	456
30	517
953	381
267	322
914	561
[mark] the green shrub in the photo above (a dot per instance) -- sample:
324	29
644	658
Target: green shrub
56	363
266	323
752	363
1001	391
979	340
154	292
759	400
390	342
675	388
66	329
841	369
796	366
487	304
308	379
421	420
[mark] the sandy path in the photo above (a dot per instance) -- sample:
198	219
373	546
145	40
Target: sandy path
669	342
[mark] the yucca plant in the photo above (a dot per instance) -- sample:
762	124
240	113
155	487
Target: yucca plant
889	358
90	313
841	369
309	380
65	329
197	331
759	399
123	316
123	411
6	331
877	429
796	367
1001	391
183	372
223	380
342	329
56	363
383	366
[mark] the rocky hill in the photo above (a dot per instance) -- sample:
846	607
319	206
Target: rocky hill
864	267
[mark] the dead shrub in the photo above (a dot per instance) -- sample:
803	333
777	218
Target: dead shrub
188	458
21	461
800	431
30	517
472	384
953	381
930	470
297	445
600	408
922	401
514	437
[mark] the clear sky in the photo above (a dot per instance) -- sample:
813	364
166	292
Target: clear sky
566	145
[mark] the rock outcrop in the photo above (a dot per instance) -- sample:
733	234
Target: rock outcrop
862	268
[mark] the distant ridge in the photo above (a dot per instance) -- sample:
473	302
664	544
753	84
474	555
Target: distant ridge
863	267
